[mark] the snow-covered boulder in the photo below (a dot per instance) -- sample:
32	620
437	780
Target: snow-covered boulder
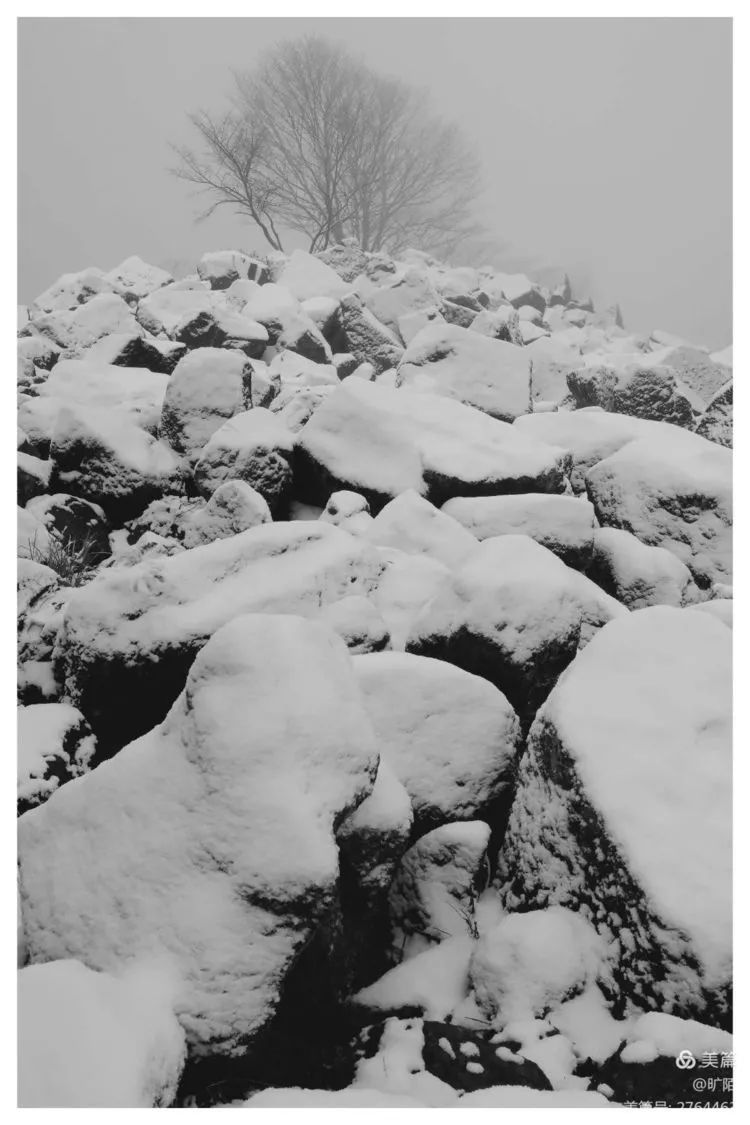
671	490
39	350
407	585
71	290
128	349
55	744
422	710
513	614
408	293
102	458
232	508
362	334
292	370
717	423
349	511
381	442
435	887
134	632
721	608
639	390
703	375
490	375
89	1040
209	842
78	329
562	524
253	446
41	600
589	435
134	278
165	310
530	963
348	261
623	809
307	276
410	523
208	386
358	623
637	575
552	359
221	267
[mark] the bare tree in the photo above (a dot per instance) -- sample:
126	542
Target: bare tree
316	142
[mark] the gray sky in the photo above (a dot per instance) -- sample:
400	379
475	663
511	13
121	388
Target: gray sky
606	143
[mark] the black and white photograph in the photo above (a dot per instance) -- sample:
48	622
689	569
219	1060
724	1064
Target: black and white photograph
374	415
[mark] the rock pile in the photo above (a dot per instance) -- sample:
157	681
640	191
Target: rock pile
374	689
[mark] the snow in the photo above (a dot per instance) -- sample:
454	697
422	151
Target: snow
41	732
210	840
411	524
435	982
671	490
349	511
432	894
521	1097
533	961
107	458
512	613
491	375
77	329
295	370
638	575
354	1097
31	535
422	710
381	442
127	619
135	277
133	393
234	507
408	292
254	446
722	608
407	585
562	524
588	1024
658	1034
72	289
164	310
590	435
724	357
398	1067
222	267
207	387
92	1040
358	623
644	715
305	276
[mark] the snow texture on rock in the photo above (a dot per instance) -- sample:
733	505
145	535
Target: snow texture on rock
623	809
209	841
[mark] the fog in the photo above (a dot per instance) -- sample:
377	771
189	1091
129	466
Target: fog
606	144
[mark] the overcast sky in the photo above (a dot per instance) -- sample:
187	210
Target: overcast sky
606	143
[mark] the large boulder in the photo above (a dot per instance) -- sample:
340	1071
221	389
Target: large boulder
134	278
562	524
671	490
129	1047
407	293
78	329
637	575
71	290
623	809
422	710
253	446
717	423
363	336
703	375
104	459
381	442
306	276
489	374
209	843
638	389
208	386
411	524
513	614
590	435
134	632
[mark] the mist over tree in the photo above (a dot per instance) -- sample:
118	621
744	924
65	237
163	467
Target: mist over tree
316	142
